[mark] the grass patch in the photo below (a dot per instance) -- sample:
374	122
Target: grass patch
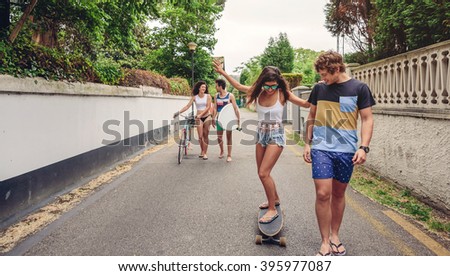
402	200
296	137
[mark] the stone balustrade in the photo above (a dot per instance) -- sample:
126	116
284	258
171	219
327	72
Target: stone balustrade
416	83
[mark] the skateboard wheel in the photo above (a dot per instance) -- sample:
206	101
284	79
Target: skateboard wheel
258	239
283	241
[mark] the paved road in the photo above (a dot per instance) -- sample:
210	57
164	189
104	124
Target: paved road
210	208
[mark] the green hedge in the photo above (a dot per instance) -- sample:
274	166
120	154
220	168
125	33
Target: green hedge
179	86
108	71
294	79
137	77
30	60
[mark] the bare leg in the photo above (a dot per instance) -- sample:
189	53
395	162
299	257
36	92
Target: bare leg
220	141
229	144
337	212
200	136
323	211
206	126
269	159
260	150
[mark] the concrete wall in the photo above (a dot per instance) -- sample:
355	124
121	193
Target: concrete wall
414	153
55	134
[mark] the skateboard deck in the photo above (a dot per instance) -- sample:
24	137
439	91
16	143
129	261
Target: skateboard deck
270	230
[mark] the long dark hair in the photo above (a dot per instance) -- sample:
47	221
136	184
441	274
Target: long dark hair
269	73
196	88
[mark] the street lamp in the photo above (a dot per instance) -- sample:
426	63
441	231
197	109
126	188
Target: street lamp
192	46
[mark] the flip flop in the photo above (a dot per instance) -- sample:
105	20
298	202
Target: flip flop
337	252
323	255
229	159
270	220
205	157
265	205
200	156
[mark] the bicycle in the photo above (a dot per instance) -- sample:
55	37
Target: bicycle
185	136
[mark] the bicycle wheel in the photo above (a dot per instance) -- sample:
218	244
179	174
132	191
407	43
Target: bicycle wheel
180	150
186	142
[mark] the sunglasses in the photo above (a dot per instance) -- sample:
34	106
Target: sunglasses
266	87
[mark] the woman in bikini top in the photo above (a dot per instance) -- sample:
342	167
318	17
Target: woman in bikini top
202	100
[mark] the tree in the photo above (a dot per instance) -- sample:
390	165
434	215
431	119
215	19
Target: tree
170	55
304	63
405	25
354	19
52	16
279	53
251	71
383	28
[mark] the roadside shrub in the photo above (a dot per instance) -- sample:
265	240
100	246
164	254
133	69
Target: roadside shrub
294	79
137	77
30	60
108	71
357	57
179	86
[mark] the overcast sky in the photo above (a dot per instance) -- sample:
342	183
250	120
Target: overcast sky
246	26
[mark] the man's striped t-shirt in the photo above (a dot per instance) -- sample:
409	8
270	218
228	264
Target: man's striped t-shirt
335	125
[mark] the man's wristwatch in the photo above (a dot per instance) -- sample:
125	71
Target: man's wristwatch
365	149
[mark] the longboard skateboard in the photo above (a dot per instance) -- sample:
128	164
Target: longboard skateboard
269	231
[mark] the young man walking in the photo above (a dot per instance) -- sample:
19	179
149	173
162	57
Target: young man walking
222	99
332	143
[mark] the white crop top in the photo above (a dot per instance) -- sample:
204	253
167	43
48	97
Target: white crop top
200	103
270	113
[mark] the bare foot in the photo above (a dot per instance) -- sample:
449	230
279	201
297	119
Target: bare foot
270	216
325	250
265	205
337	248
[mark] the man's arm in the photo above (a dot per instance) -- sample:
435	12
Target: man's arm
309	133
366	134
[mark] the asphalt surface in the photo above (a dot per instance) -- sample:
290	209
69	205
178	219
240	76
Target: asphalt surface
210	207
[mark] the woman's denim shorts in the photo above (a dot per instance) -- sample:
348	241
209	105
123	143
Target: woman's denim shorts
271	134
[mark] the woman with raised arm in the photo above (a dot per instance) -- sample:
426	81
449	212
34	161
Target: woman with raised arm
270	93
203	119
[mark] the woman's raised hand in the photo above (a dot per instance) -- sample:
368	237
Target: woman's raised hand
218	67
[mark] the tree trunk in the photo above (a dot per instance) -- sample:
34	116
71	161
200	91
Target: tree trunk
22	21
47	38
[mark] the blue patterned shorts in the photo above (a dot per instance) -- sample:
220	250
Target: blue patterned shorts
329	164
271	135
